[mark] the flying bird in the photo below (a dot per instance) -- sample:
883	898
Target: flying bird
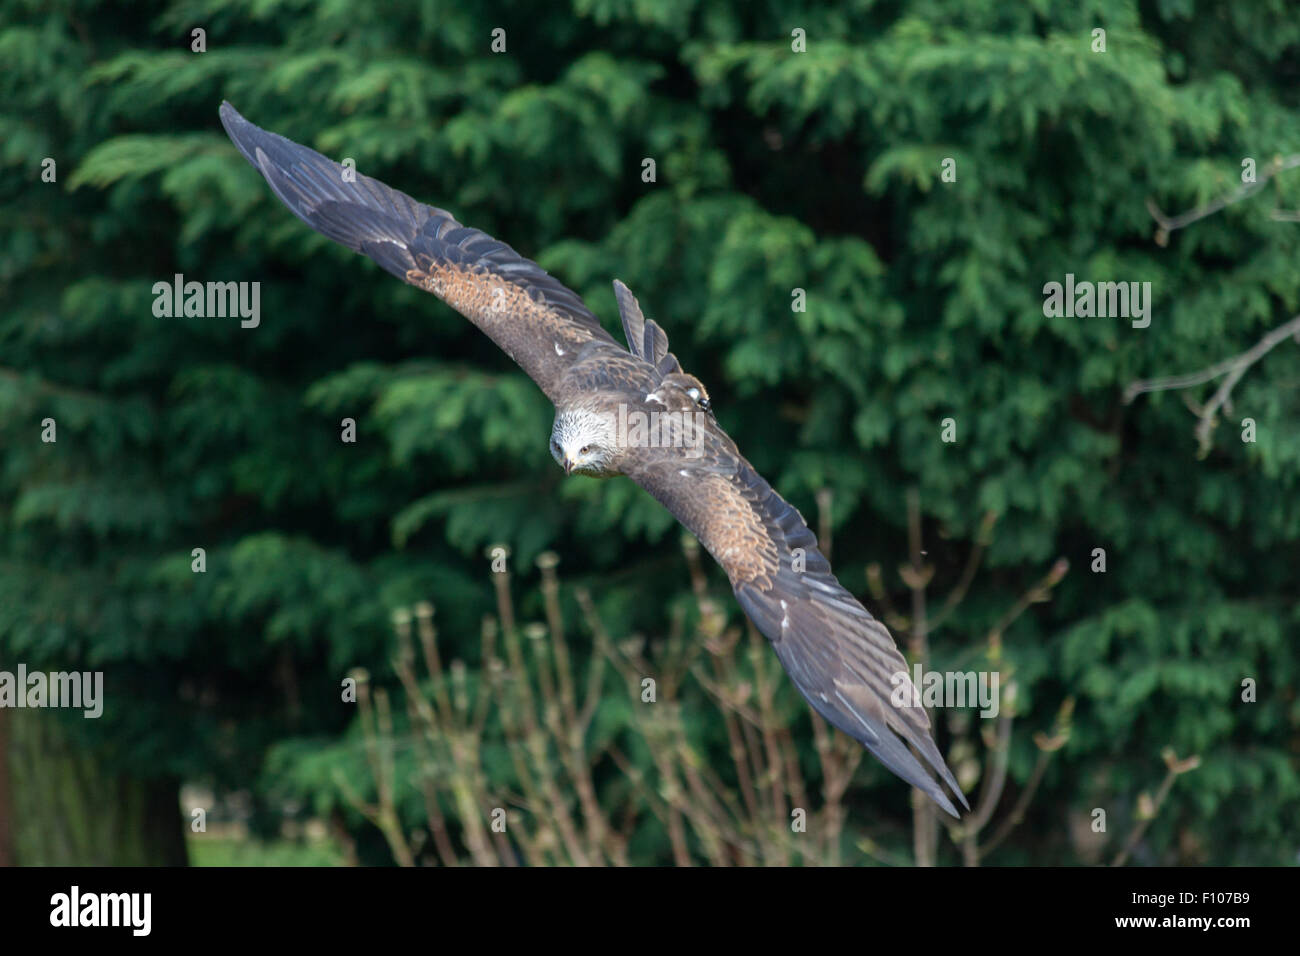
633	411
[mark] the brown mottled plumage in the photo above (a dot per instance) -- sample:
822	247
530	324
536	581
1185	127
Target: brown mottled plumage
841	658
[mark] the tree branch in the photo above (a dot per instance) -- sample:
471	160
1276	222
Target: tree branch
1234	368
1168	224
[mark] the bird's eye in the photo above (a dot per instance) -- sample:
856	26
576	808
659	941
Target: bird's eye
704	404
584	449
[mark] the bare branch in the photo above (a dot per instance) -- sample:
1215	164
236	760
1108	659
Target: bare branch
1234	368
958	594
1168	224
1149	807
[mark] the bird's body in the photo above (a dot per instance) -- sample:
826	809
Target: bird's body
632	411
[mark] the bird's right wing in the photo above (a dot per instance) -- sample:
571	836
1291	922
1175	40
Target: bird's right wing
535	319
842	659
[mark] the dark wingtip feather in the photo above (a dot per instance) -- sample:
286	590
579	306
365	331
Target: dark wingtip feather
238	129
352	209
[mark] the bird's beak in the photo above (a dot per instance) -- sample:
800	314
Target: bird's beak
568	465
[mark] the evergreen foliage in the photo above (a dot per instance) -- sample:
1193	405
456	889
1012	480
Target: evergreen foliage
775	171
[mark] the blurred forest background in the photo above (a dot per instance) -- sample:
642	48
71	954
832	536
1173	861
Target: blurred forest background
796	147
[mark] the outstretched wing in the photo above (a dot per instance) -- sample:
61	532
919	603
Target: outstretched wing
840	657
533	318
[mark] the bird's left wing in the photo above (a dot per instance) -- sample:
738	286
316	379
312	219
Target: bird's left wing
843	660
533	318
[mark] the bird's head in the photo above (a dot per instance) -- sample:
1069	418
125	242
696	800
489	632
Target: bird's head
584	442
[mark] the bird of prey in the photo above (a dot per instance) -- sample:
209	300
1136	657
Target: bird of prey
841	659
